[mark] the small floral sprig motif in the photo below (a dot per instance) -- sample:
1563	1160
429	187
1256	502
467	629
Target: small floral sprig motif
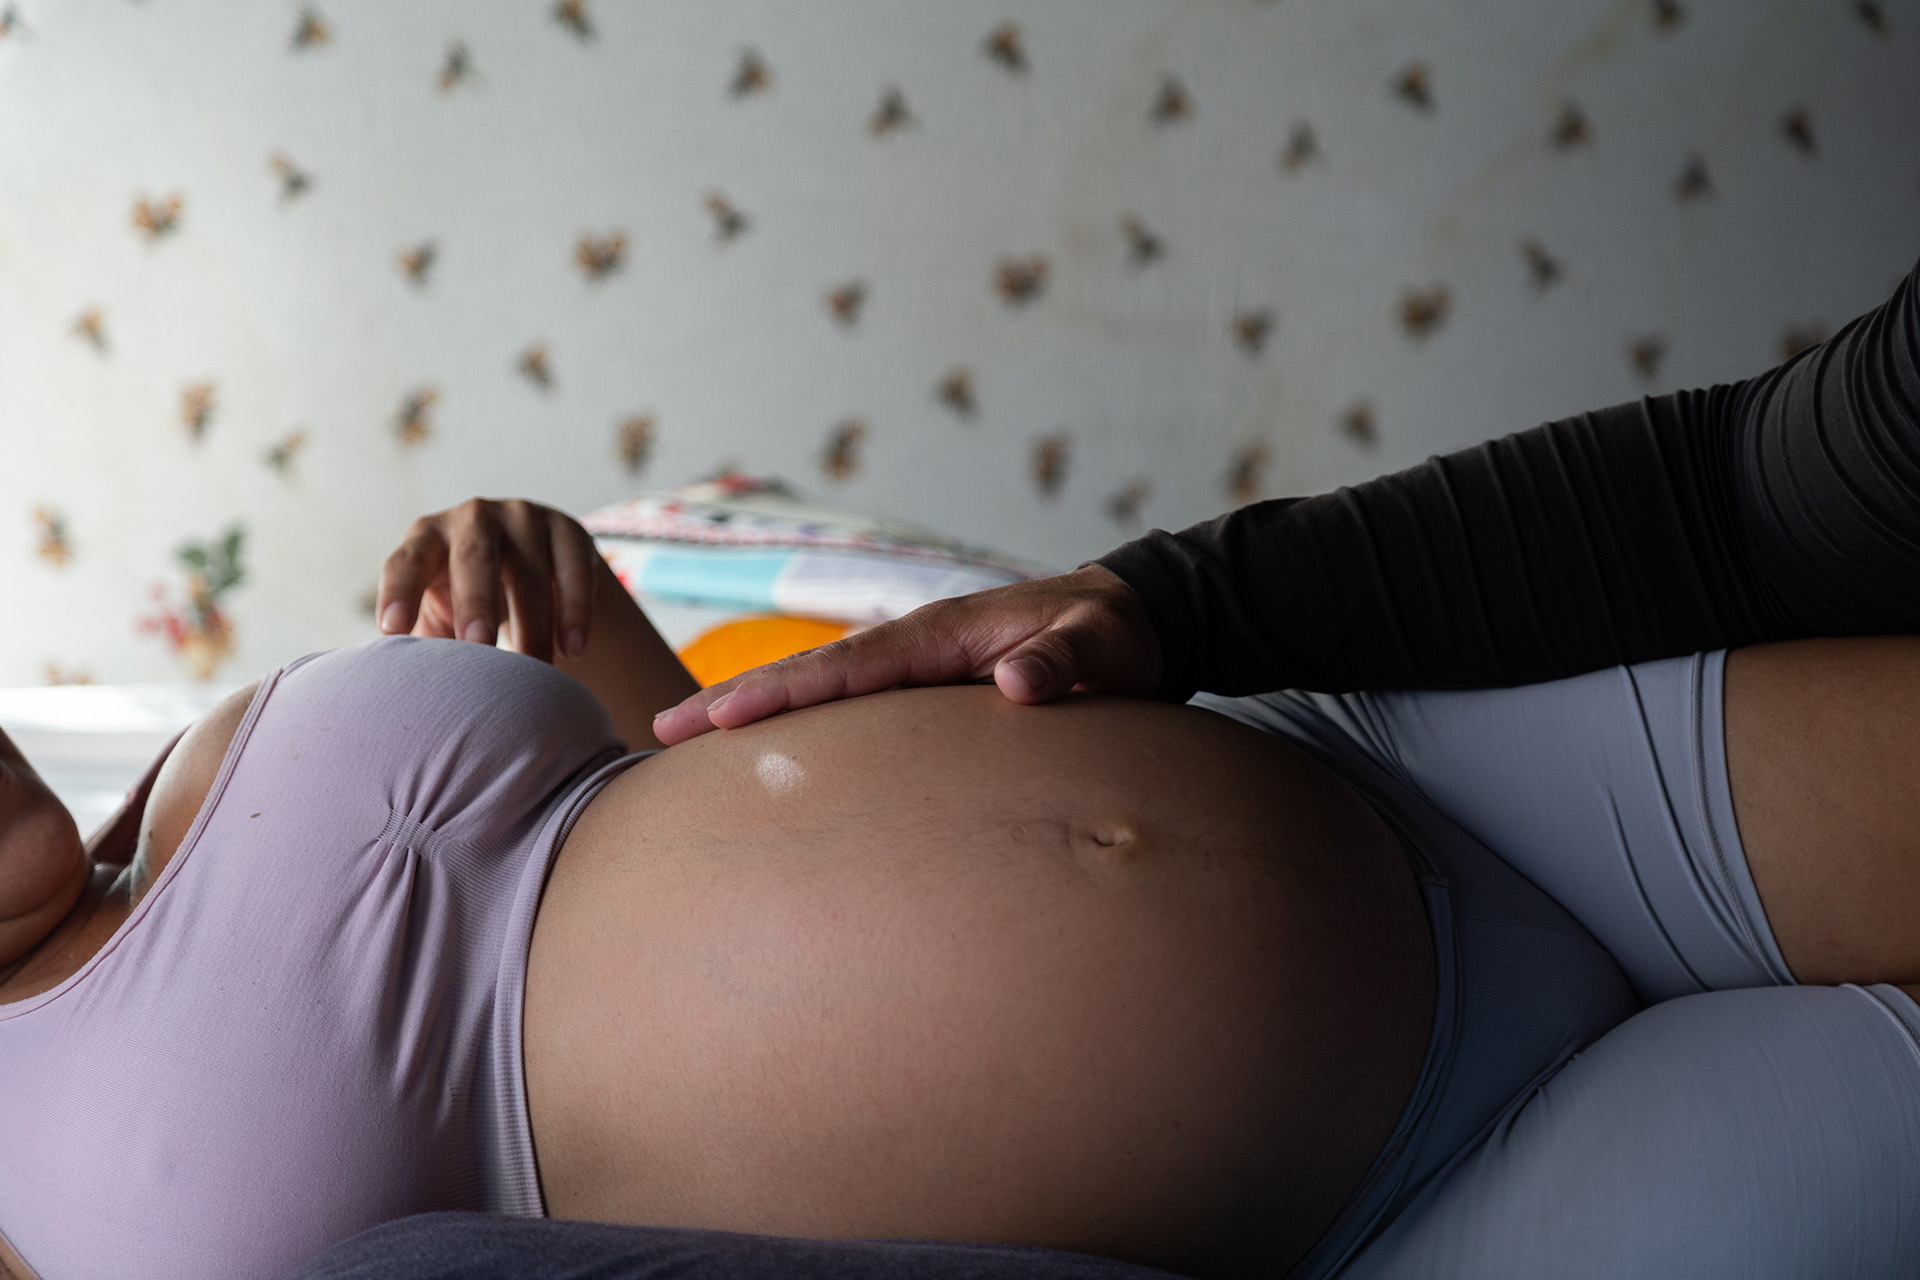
1173	104
573	15
51	541
416	263
1413	85
844	302
535	364
1796	126
1048	462
1302	149
1251	329
1123	506
1796	338
284	452
1571	128
1422	311
600	256
456	68
156	219
840	460
198	629
1246	477
199	401
1360	425
1144	246
294	181
1020	281
91	328
1695	181
892	114
1005	46
633	442
751	75
1645	354
311	31
729	223
956	392
414	423
1543	269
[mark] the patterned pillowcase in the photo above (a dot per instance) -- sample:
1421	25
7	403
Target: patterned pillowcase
754	545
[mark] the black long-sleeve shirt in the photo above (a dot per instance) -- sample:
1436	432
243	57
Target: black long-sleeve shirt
1784	506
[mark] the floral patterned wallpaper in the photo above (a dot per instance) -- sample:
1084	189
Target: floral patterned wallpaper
275	278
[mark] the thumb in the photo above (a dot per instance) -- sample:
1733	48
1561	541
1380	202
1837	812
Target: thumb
1044	668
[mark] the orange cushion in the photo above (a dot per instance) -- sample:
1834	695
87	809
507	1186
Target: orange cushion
745	643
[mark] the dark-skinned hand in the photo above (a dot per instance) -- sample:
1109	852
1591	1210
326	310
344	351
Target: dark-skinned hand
1037	641
464	572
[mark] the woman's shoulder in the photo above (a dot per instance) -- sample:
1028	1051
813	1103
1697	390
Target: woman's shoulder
120	878
181	788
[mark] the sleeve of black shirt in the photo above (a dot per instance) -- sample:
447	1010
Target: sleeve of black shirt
1784	506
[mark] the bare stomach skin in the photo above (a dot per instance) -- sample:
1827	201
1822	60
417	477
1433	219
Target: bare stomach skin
1106	975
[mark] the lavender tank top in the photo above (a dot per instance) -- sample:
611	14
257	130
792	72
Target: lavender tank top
311	1024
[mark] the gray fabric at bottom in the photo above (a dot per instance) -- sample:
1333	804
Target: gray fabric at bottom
466	1246
1763	1134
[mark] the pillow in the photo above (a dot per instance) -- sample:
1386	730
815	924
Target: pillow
753	544
745	643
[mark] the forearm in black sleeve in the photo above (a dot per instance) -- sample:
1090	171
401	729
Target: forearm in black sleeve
1780	507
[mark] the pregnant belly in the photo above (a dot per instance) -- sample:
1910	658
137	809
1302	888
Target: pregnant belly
1107	975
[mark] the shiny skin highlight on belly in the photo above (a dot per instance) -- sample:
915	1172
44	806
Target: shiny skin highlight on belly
1105	975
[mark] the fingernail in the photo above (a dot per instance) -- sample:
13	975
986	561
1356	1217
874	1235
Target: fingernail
1031	670
394	620
574	642
478	632
718	703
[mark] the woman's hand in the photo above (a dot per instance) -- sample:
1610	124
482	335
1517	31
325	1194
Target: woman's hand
462	572
1036	640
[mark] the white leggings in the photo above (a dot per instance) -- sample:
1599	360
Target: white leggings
1741	1126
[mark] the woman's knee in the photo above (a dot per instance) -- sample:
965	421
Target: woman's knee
1763	1133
